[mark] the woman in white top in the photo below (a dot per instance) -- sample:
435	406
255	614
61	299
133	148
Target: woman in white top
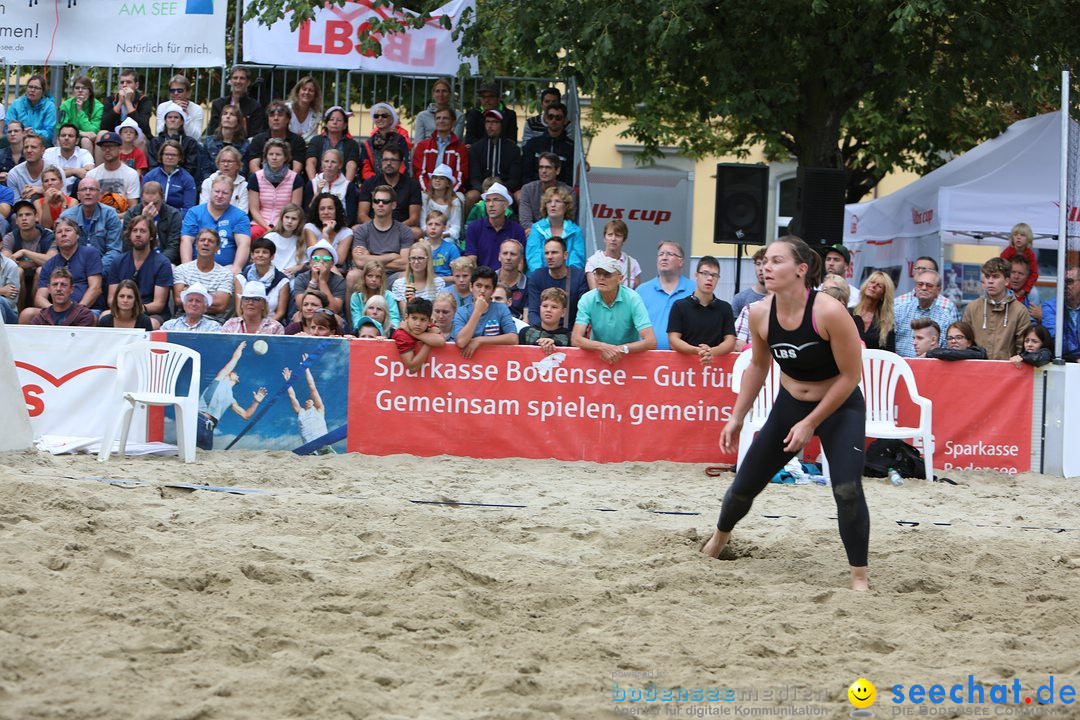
305	101
615	234
441	197
419	280
326	221
228	165
290	255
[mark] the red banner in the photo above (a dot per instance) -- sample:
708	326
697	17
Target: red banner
982	413
511	402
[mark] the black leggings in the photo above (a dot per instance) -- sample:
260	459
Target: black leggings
843	437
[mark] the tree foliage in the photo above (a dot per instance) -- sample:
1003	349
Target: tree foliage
866	85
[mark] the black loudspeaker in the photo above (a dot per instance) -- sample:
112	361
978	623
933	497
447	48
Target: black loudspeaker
742	203
819	207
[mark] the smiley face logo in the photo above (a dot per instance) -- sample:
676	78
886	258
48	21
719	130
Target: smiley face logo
862	694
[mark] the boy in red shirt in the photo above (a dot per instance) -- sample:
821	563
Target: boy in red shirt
416	335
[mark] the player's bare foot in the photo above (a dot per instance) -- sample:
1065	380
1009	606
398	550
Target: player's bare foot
860	580
716	544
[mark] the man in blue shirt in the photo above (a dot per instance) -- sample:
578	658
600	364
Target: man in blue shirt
232	224
660	293
99	225
1070	342
484	322
82	261
557	273
614	315
150	270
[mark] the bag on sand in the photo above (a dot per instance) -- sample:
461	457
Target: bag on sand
897	454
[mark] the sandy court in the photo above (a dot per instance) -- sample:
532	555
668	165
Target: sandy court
333	596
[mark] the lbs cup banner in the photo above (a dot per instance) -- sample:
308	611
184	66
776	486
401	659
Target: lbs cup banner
332	40
166	33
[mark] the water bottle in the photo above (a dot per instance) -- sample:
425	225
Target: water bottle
894	477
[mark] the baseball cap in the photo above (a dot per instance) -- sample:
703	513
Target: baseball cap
840	249
323	245
110	138
494	114
608	264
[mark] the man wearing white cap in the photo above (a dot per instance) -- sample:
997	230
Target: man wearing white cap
254	309
322	276
214	279
484	236
195	301
614	315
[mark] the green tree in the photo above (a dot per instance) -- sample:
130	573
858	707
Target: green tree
866	85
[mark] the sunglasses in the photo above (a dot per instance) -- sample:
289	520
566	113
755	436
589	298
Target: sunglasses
322	258
176	91
381	116
278	111
381	201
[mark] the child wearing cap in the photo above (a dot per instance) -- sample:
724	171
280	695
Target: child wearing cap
130	155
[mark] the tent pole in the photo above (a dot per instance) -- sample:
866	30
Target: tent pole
1063	199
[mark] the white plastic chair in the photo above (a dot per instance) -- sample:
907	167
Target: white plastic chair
157	367
759	411
882	372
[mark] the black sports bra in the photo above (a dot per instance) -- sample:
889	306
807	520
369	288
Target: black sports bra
801	353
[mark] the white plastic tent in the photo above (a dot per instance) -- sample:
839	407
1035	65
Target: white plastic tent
980	195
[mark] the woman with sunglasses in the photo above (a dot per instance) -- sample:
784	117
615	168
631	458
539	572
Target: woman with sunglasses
959	344
874	312
385	132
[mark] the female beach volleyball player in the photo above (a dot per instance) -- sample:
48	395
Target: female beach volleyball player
812	338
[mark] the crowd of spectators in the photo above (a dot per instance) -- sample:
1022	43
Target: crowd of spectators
123	211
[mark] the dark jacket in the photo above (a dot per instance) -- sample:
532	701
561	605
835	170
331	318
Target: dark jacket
972	353
501	157
195	158
1040	357
143	107
474	125
562	146
252	110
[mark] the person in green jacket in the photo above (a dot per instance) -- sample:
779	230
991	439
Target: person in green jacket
83	111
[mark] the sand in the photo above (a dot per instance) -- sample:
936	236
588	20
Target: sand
331	595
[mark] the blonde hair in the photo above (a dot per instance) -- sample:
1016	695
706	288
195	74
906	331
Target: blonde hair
884	309
361	284
563	194
429	267
1025	230
464	262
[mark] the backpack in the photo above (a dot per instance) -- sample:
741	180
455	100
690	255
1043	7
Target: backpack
897	454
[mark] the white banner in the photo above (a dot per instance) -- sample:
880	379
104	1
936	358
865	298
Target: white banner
332	40
159	33
67	376
655	205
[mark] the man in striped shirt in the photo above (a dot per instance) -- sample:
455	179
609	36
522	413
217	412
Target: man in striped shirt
926	302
